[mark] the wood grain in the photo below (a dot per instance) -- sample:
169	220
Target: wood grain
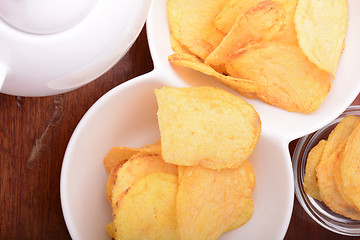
34	133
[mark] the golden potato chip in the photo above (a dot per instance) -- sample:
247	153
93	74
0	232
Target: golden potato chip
259	23
133	170
153	148
231	11
287	34
310	181
321	27
191	24
118	155
111	181
177	47
206	126
110	228
329	192
286	78
210	202
148	210
191	61
246	213
338	178
337	137
339	134
349	167
235	8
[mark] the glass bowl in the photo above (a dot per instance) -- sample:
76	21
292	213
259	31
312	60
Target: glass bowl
317	210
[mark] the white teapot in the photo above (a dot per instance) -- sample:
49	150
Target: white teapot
54	46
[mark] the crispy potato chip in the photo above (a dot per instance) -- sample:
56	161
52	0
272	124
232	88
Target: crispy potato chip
349	167
210	202
110	228
246	213
231	11
191	24
287	35
338	178
111	181
153	148
133	170
336	138
177	47
329	192
118	155
148	210
259	23
286	78
321	27
191	61
235	8
339	134
206	126
310	181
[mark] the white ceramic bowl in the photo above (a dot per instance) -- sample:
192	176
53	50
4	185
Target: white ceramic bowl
104	126
126	116
51	47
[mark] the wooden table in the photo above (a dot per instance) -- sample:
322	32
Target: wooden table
34	133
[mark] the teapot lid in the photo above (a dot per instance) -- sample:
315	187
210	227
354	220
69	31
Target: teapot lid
43	16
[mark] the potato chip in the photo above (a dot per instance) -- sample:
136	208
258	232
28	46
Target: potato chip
111	181
259	23
110	228
349	167
148	210
153	148
310	181
329	192
321	27
286	78
287	34
246	213
338	178
191	24
210	202
206	126
340	133
133	170
118	155
235	8
231	11
177	47
337	137
191	61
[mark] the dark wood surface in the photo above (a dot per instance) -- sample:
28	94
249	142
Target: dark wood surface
34	133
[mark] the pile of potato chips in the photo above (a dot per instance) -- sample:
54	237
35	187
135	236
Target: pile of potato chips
332	173
281	52
196	181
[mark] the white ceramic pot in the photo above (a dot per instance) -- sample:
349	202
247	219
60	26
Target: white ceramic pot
50	47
